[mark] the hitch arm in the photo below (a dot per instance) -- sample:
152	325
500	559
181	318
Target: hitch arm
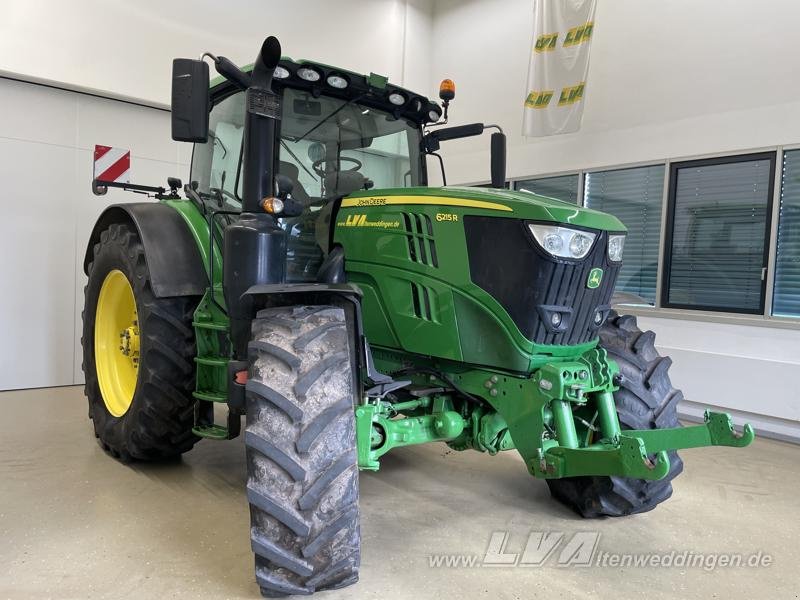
628	454
716	431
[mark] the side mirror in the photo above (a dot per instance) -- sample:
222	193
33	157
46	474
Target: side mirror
190	100
498	160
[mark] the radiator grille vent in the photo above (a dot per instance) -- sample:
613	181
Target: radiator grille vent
419	235
422	302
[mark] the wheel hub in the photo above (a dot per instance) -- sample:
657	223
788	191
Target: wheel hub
129	343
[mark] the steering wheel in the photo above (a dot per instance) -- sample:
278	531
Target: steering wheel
317	166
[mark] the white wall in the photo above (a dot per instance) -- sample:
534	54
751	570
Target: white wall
666	80
126	48
747	370
47	137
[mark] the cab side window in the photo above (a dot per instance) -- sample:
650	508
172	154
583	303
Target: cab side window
216	165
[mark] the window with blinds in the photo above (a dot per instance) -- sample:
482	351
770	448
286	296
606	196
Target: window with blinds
634	196
786	296
717	232
560	187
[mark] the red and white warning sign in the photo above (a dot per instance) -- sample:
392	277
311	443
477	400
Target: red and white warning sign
112	164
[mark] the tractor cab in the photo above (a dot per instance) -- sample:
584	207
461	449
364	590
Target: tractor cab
322	134
330	142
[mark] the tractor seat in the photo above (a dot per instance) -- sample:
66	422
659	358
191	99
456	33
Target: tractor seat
291	171
344	183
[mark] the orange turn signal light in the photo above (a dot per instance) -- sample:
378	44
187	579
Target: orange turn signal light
272	205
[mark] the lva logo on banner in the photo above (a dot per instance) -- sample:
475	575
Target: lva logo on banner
562	38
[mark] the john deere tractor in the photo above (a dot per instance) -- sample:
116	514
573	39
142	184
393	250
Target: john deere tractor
309	280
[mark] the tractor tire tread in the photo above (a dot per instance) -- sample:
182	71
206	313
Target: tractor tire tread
301	453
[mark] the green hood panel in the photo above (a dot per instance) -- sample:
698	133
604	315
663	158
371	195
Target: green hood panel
519	205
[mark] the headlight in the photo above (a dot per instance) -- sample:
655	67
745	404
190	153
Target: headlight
308	74
615	245
562	241
337	81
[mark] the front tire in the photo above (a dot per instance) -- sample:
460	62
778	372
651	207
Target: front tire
138	354
301	451
645	400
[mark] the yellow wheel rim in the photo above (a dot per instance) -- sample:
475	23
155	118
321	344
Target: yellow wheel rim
116	342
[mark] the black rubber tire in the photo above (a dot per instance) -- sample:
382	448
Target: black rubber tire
158	424
302	468
645	400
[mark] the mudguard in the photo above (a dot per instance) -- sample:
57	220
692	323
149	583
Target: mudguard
176	268
282	294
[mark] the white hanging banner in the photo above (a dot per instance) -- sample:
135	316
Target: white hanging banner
562	37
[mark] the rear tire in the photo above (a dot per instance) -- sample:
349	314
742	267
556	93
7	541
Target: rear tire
645	400
158	422
301	451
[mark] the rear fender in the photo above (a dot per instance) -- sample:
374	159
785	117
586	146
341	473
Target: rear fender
176	268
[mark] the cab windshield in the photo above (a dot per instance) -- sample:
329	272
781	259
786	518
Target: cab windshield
331	147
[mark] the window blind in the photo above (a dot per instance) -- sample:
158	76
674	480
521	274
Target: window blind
634	196
560	187
786	298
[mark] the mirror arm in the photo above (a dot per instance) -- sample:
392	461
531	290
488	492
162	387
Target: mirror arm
493	126
229	70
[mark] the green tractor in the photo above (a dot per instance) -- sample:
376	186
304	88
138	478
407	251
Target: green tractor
311	281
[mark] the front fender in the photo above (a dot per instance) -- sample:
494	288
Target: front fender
176	268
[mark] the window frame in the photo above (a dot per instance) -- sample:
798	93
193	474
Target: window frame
665	273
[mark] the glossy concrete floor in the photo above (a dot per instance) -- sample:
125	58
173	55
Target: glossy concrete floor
76	524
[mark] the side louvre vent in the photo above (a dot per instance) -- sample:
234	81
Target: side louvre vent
422	302
419	235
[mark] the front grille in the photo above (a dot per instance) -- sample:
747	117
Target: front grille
530	284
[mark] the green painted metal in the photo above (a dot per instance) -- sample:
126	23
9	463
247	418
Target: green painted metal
210	322
199	226
718	430
523	205
212	432
628	453
375	422
466	324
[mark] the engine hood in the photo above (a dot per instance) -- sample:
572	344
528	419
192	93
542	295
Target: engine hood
499	203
